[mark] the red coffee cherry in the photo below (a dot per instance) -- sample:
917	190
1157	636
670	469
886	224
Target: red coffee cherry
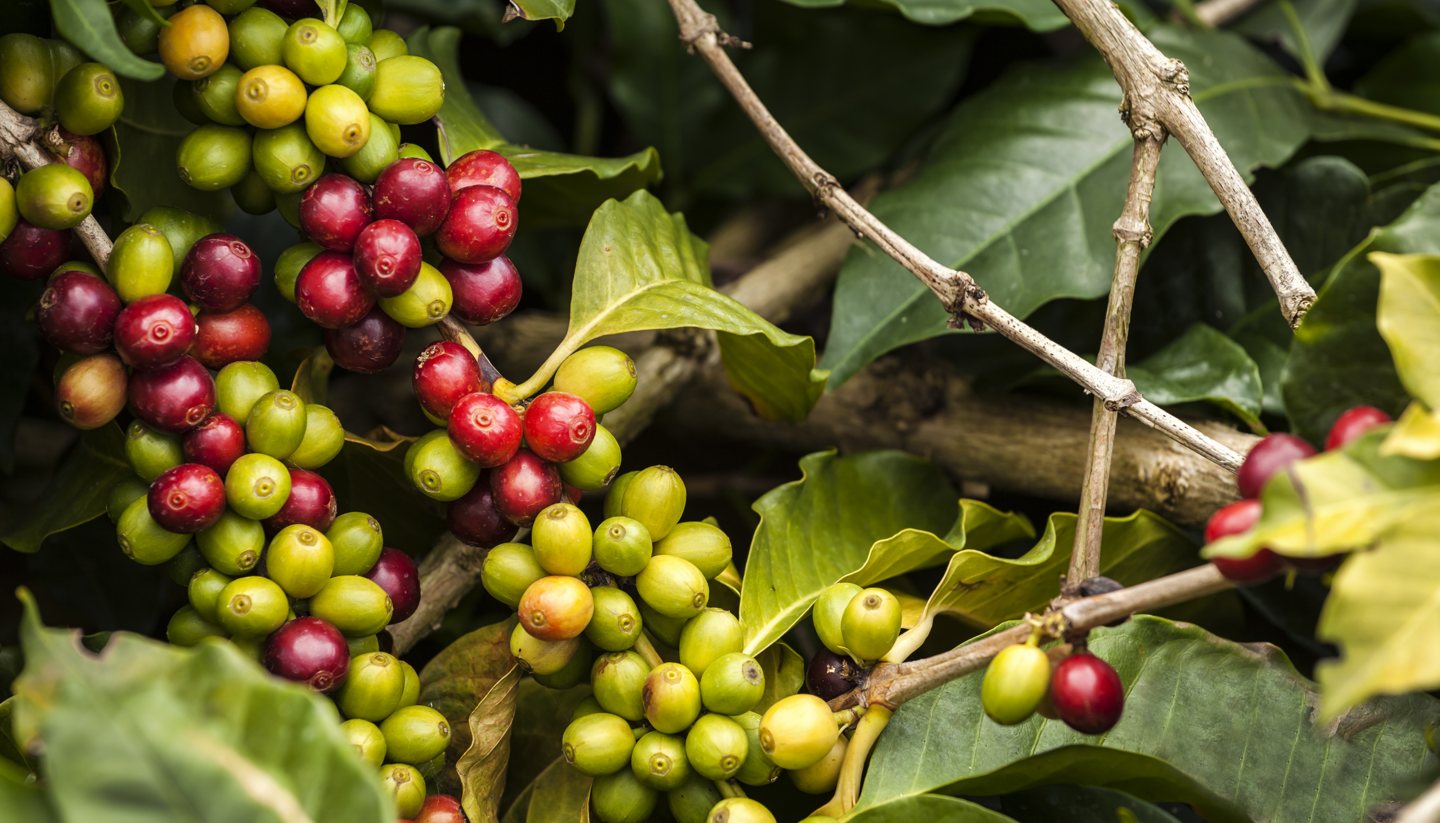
444	373
77	312
480	226
308	650
475	520
217	442
334	210
1238	518
483	167
220	272
559	426
524	486
395	572
30	252
1353	423
485	429
187	498
153	331
84	154
440	808
222	338
1270	455
368	346
311	503
415	192
387	257
329	293
173	398
483	292
1087	693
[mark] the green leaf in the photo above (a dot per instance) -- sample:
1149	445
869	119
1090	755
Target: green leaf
1338	359
641	269
557	10
1228	728
559	188
824	528
1082	804
1416	434
1408	317
932	807
26	802
154	733
784	674
77	493
1034	14
88	24
559	795
147	139
1324	22
1021	186
1403	77
1202	364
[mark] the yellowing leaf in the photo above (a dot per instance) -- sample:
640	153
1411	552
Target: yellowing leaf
1408	316
1416	434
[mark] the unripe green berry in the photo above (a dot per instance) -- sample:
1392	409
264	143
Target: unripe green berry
585	708
575	671
655	497
276	425
671	697
257	486
542	657
240	384
252	195
355	25
621	797
122	494
300	559
286	159
184	565
314	51
658	760
595	467
757	770
821	776
797	731
357	540
438	469
621	546
716	746
602	376
323	440
54	196
367	739
425	303
740	810
410	695
215	96
673	587
828	612
870	624
252	607
367	644
387	44
406	785
664	628
256	38
355	605
508	570
88	99
598	744
337	120
142	539
703	544
187	628
372	688
289	264
150	452
9	210
732	684
233	545
415	151
214	157
556	607
407	90
141	263
415	734
616	623
359	74
203	592
1015	684
691	803
618	680
561	538
28	81
615	496
379	152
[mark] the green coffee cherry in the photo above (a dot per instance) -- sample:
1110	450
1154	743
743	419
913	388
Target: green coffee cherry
28	81
508	570
672	586
300	559
323	440
257	486
286	159
289	264
276	424
732	684
415	151
181	228
671	698
594	468
54	196
655	497
615	497
1015	684
561	539
406	785
204	592
757	770
355	605
870	624
425	303
622	546
829	609
88	99
407	90
618	679
337	120
252	607
214	157
188	628
797	731
141	263
740	810
9	210
691	803
142	539
379	152
387	44
701	543
542	657
367	739
150	452
139	32
598	744
438	469
621	797
410	695
616	623
256	38
355	25
215	96
63	58
716	746
314	51
252	195
362	645
372	689
239	385
664	628
184	565
359	74
575	671
268	97
659	761
711	634
585	708
185	104
356	539
415	734
233	545
122	494
821	777
602	376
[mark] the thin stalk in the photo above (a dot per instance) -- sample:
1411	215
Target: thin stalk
852	768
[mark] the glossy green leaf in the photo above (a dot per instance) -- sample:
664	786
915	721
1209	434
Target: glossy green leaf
1081	804
930	807
147	139
1403	77
557	10
1202	365
559	188
825	527
457	679
89	25
1226	727
26	802
1408	317
1034	14
154	733
1021	186
784	674
641	269
1323	22
77	493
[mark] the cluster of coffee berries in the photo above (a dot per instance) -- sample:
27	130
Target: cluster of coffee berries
1082	690
51	79
1269	457
275	100
859	623
38	210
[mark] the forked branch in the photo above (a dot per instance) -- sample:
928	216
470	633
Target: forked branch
19	137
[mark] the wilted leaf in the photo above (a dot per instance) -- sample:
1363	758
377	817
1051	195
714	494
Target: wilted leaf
312	378
455	680
1408	316
559	795
482	767
78	492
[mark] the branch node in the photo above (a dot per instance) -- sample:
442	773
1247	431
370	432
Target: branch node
964	292
1120	404
1129	230
696	25
1174	74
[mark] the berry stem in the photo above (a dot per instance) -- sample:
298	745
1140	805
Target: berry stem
645	647
729	788
852	769
910	641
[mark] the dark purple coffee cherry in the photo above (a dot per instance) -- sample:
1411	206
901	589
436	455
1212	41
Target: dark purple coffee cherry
187	498
220	272
334	210
396	573
308	650
475	520
30	252
368	346
77	312
173	398
830	675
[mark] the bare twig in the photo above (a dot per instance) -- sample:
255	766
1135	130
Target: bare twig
962	298
1132	235
1217	13
447	574
19	136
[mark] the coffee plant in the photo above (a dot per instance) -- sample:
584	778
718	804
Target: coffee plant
364	499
